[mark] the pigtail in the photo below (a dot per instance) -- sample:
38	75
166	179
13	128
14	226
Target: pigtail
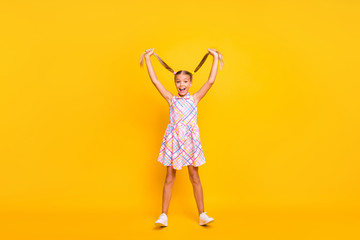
142	59
202	62
221	60
160	60
164	64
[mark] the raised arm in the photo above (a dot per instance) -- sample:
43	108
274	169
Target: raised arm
207	85
165	93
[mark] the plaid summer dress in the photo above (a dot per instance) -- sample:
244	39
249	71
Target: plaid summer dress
181	144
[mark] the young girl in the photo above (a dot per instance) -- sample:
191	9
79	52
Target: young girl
181	144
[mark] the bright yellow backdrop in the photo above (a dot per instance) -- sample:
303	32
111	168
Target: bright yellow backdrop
82	124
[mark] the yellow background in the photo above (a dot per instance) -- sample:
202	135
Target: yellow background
82	124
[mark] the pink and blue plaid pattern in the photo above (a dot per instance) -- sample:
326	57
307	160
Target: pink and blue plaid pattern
181	144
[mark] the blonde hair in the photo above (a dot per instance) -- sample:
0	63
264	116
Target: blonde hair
221	60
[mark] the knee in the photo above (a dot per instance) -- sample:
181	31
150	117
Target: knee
170	179
194	179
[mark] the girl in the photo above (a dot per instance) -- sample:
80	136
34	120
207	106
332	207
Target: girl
181	144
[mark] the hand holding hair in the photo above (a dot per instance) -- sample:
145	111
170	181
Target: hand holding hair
213	52
216	53
149	52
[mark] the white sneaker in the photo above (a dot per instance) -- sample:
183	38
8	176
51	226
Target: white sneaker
205	219
162	221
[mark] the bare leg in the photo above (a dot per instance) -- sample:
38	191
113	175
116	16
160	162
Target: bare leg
197	188
169	182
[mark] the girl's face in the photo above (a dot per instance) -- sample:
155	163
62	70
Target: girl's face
182	83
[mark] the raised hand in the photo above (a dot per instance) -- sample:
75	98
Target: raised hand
213	52
149	52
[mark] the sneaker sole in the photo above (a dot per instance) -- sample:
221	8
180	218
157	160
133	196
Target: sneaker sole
160	224
202	224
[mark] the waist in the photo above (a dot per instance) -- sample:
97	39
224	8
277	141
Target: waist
183	124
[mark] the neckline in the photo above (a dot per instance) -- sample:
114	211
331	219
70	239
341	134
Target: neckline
187	95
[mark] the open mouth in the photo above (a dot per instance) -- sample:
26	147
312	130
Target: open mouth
182	89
